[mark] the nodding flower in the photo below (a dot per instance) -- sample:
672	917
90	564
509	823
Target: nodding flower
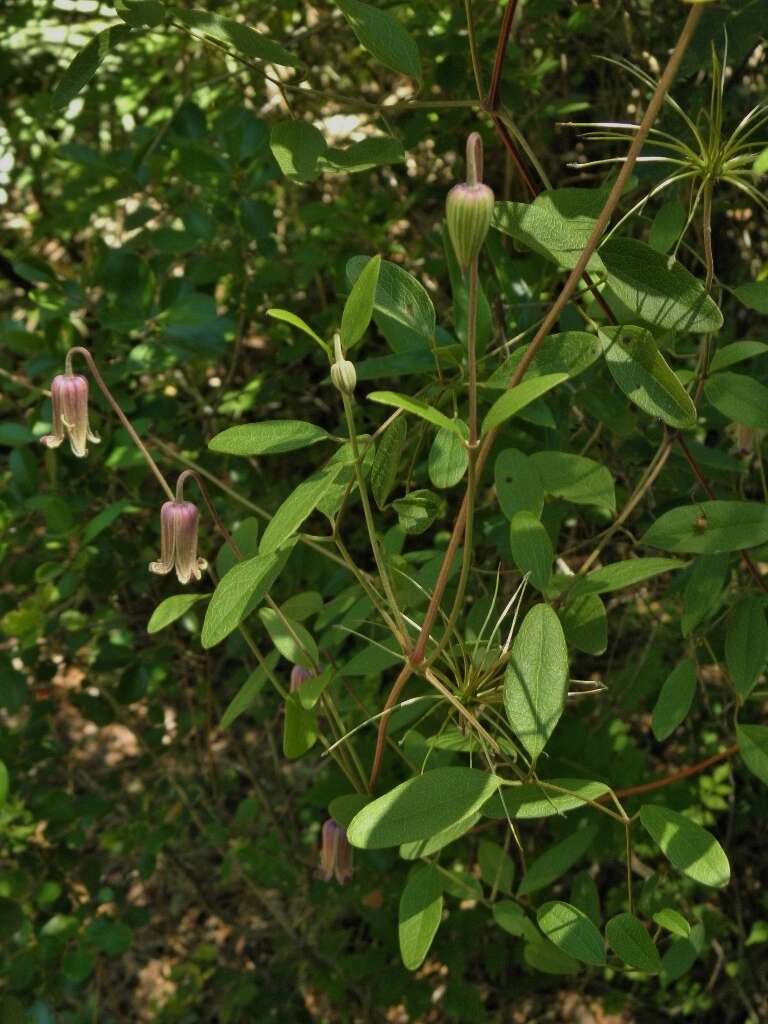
178	541
335	853
69	398
298	675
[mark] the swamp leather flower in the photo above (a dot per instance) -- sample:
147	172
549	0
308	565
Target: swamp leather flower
178	542
69	399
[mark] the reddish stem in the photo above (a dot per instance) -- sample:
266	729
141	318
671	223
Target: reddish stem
684	773
501	52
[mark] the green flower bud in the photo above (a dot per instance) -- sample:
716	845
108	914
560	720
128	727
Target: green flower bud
469	207
343	373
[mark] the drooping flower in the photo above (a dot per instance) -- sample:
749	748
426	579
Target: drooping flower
69	399
298	675
335	853
178	542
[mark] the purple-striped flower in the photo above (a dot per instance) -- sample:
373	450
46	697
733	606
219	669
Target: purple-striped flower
178	542
335	853
298	675
69	399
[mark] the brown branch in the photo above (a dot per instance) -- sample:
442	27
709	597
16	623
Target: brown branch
501	52
684	773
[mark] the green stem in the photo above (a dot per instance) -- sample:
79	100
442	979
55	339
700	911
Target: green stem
473	48
402	635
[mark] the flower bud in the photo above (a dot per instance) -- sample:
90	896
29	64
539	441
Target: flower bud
335	853
178	542
298	675
469	207
343	373
69	401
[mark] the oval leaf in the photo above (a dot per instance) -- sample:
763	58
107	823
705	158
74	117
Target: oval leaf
519	397
241	590
710	527
421	409
739	398
386	462
531	548
571	930
171	609
753	747
235	35
418	808
674	700
297	506
536	679
555	861
688	847
421	907
297	146
631	943
86	64
448	459
746	644
399	298
359	305
644	375
383	36
269	438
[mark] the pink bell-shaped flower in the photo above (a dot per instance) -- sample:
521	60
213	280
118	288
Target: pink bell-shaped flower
178	542
69	399
335	853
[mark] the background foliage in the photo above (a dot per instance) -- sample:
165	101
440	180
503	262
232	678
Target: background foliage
159	851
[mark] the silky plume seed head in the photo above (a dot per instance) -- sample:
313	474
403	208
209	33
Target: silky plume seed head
69	403
178	542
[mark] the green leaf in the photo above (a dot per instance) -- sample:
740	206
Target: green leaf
511	917
673	922
241	590
343	808
235	35
674	700
383	36
644	376
736	353
682	955
421	806
556	860
386	462
141	13
297	146
295	321
418	510
448	459
631	943
311	690
703	593
553	225
532	549
753	747
570	352
545	957
426	847
248	692
420	911
517	398
536	679
739	398
575	478
620	575
585	623
4	783
299	729
105	518
710	527
299	504
571	931
657	290
497	869
270	438
688	847
399	297
290	638
667	226
530	800
364	155
754	295
171	609
518	485
746	644
358	308
419	408
86	63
